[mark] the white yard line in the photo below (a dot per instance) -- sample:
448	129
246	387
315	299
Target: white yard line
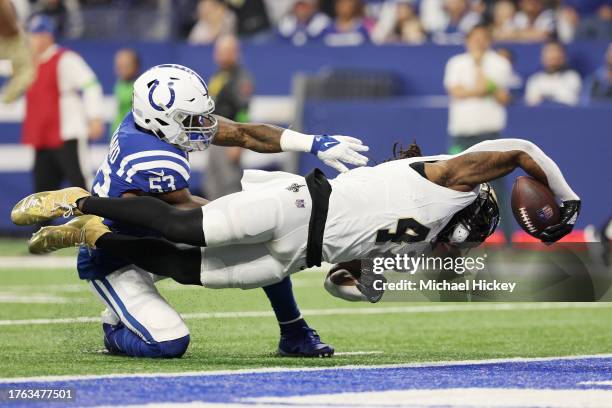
39	262
606	382
358	353
45	262
53	287
300	369
8	297
448	397
372	310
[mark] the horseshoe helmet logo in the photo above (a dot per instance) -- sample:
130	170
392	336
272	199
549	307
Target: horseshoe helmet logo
155	106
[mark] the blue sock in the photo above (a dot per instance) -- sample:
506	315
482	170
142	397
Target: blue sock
122	339
283	302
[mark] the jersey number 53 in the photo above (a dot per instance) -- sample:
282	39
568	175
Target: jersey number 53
162	184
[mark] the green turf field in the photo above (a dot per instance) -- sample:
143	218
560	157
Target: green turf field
230	342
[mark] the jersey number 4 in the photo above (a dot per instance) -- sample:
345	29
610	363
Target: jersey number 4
407	230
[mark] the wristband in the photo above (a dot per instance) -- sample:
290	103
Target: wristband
491	87
292	141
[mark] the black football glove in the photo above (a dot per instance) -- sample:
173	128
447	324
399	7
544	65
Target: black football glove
365	284
569	214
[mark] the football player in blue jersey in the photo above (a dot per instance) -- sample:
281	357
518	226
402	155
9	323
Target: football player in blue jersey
172	114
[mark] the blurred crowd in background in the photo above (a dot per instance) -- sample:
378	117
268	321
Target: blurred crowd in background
354	23
481	81
330	22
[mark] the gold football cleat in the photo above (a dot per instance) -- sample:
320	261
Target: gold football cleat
84	230
47	205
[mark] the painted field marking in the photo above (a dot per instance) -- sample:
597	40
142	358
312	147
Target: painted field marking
54	287
47	262
606	382
163	286
301	369
373	310
358	353
449	397
39	262
9	297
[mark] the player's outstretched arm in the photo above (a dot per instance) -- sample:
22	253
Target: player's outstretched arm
490	160
332	150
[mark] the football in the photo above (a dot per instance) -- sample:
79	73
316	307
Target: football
533	205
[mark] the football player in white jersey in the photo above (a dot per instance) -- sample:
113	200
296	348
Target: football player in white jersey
282	223
172	115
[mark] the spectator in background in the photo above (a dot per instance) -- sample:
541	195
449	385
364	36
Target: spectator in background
66	15
432	15
304	23
349	27
215	19
515	84
477	83
599	85
598	27
63	107
399	23
252	18
533	22
557	83
231	88
276	10
22	10
567	19
459	20
127	69
14	50
502	26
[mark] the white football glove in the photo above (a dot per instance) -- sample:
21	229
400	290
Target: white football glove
336	150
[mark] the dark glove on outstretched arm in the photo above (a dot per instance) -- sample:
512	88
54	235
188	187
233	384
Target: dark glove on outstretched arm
569	214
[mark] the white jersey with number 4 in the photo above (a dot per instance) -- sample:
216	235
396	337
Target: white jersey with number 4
258	236
377	209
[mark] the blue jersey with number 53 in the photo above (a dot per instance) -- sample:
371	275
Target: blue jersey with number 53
136	161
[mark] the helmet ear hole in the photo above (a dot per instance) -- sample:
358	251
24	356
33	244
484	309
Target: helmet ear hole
161	122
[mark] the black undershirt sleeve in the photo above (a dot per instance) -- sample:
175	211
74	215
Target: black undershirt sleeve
176	225
156	255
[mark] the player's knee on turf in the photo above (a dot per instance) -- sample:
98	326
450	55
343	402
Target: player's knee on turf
121	340
174	348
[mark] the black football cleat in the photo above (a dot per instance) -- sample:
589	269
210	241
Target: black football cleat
304	342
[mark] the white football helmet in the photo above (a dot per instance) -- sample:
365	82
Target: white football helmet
172	101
